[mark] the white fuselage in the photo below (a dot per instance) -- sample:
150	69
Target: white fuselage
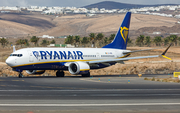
39	58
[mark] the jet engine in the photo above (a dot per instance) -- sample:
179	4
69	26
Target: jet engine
78	68
31	72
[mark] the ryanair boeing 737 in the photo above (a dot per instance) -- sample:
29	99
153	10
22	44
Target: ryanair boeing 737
75	60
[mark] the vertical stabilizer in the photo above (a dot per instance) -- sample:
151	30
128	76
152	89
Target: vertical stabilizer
121	38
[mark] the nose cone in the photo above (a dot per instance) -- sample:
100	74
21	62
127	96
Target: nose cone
9	61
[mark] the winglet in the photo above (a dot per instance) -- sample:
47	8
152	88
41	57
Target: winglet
166	57
166	49
163	54
14	49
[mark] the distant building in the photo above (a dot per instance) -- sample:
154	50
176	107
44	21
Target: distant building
46	36
89	15
61	45
5	11
73	10
156	33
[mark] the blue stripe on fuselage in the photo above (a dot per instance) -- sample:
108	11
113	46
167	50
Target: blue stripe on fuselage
53	66
44	66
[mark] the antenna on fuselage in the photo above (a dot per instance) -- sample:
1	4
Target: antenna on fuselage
14	48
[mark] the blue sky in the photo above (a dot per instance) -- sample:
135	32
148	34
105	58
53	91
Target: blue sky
78	3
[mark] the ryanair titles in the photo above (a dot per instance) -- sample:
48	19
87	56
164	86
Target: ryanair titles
58	54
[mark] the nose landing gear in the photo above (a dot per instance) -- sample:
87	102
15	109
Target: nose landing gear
20	72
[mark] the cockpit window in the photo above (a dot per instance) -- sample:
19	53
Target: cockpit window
18	55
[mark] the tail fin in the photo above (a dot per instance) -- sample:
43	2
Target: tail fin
120	40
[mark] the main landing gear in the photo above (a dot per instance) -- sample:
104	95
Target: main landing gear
20	75
59	73
86	75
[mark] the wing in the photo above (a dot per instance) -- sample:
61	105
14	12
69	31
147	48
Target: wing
122	59
139	50
130	58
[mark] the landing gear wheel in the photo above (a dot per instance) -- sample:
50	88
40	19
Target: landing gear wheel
20	75
86	75
59	74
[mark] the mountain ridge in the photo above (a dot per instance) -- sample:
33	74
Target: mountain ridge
118	5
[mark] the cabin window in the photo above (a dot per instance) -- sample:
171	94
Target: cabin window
89	55
107	55
19	55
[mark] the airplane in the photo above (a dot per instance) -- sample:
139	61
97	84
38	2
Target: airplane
76	60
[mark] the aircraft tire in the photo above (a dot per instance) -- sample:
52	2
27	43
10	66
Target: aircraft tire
20	75
86	75
59	74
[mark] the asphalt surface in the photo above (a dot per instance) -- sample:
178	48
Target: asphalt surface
98	94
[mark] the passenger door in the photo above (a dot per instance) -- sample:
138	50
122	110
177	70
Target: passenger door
31	57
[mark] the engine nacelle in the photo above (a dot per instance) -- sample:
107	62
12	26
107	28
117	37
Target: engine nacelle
78	68
31	72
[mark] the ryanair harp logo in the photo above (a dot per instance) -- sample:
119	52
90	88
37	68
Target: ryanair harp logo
124	33
36	54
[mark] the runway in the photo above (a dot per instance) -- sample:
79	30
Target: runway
110	94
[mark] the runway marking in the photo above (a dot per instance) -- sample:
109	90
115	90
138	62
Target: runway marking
17	80
97	80
94	95
61	88
11	80
112	81
86	105
95	90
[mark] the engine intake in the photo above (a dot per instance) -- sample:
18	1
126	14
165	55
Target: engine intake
78	68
